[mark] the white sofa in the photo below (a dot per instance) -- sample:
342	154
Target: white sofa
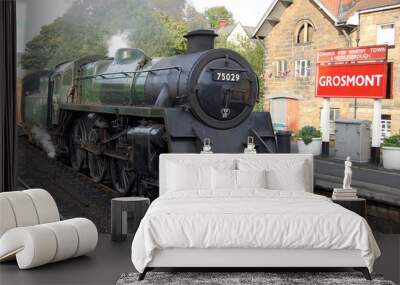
31	231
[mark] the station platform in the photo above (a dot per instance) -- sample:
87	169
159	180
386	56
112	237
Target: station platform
380	186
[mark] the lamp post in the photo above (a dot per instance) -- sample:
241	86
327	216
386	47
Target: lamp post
376	132
325	127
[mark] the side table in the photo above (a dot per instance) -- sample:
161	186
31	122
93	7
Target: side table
120	207
357	205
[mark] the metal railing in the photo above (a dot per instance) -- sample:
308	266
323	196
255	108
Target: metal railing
125	74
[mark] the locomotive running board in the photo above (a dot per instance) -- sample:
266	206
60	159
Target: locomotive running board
149	112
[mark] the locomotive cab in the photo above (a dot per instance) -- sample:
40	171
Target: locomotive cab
34	99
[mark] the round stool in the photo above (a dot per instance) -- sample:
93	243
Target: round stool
120	207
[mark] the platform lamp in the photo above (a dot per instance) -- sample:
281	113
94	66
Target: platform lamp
251	147
206	146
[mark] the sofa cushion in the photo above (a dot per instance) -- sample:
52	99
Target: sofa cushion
7	218
23	208
87	233
26	208
67	239
45	206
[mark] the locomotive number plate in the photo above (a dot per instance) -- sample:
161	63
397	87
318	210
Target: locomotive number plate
232	76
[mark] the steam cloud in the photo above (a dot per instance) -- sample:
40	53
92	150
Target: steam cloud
43	139
117	41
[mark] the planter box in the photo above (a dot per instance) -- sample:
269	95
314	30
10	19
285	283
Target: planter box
391	157
313	147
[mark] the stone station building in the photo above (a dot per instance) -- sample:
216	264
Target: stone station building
294	30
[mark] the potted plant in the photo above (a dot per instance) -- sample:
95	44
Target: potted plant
309	140
391	152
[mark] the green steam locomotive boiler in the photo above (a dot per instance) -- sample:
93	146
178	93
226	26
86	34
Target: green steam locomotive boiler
114	116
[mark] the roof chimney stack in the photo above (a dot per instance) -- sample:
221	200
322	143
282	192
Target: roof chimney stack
221	23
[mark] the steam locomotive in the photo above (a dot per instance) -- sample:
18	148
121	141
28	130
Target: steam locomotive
114	116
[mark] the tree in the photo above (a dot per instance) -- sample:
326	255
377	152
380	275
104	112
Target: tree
177	30
37	51
65	39
253	52
155	26
215	14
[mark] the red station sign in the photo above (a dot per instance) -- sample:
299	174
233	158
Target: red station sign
364	80
359	72
366	53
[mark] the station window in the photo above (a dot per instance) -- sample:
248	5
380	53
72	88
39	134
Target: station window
67	77
57	83
280	68
304	32
385	34
44	84
334	114
302	68
386	122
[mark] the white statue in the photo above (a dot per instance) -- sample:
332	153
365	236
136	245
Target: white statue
347	174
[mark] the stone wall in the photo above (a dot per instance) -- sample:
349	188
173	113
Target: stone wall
368	34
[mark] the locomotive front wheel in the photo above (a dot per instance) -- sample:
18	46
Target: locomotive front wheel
77	137
122	176
98	163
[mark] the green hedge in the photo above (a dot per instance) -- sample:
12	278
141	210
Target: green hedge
392	141
307	133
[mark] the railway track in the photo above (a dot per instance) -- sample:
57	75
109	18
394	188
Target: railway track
75	193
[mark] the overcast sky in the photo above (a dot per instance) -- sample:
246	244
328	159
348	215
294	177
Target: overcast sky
248	12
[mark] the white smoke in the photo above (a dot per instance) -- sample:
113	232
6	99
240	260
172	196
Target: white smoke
43	139
186	12
117	41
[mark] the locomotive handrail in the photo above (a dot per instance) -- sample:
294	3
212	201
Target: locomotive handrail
127	73
114	73
229	69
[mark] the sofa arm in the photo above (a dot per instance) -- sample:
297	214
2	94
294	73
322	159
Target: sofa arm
41	244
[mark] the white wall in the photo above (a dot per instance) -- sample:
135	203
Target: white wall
237	34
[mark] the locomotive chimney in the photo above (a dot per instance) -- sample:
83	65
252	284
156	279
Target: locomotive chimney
200	40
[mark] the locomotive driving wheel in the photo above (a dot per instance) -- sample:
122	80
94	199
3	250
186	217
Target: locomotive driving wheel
77	137
122	176
98	163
